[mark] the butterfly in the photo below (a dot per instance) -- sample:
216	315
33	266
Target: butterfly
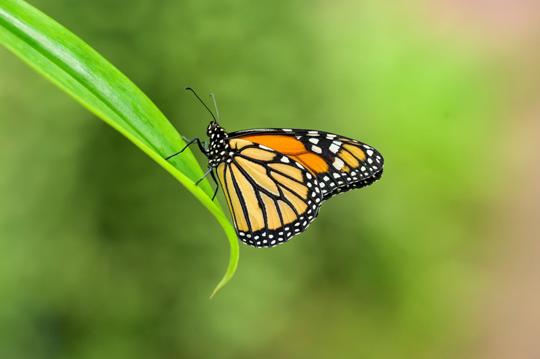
275	180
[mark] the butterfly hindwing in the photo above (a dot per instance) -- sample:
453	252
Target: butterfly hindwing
339	163
271	196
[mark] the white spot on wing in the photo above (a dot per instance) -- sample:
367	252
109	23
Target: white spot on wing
334	148
316	149
338	163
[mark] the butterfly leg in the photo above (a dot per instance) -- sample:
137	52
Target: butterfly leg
217	185
195	140
208	171
203	145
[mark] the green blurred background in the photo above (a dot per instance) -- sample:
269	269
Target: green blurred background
104	255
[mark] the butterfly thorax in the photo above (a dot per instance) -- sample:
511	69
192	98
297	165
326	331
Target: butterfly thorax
218	148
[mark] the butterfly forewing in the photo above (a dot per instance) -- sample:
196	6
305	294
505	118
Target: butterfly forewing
272	197
339	163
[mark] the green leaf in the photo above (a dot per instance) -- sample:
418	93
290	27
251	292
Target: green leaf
82	73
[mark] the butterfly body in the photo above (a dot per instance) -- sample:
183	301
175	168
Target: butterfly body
218	148
275	180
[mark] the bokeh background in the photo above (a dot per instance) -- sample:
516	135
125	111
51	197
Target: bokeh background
104	255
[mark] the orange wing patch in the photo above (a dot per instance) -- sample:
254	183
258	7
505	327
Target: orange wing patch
285	144
311	161
293	148
349	159
356	151
238	144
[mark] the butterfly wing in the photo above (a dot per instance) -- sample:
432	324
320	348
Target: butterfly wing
271	196
339	163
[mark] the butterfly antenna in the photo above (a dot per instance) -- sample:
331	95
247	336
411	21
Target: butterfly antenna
215	105
201	101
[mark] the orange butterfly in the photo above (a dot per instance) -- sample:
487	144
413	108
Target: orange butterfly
275	180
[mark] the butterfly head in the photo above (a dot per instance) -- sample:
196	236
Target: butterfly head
218	149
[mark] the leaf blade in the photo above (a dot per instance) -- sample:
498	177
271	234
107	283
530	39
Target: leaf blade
77	69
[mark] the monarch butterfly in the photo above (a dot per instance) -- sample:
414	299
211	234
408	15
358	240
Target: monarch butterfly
275	180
